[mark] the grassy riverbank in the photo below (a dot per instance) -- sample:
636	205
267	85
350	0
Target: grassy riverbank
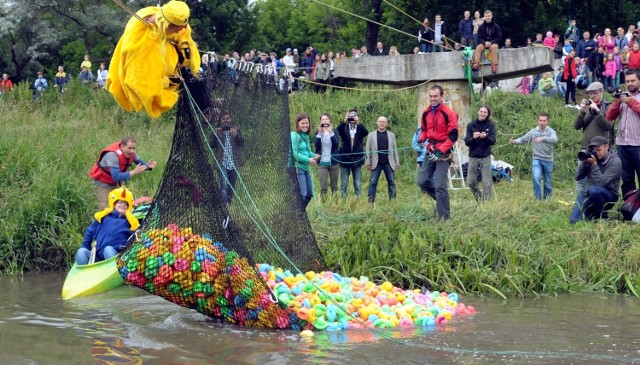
512	245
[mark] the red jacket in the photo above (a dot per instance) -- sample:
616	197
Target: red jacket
569	69
442	134
104	175
6	85
634	59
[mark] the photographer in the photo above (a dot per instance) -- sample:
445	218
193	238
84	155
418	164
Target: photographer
601	168
326	144
591	118
351	157
627	107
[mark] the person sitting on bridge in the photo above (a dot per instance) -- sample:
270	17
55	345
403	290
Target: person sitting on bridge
489	36
111	228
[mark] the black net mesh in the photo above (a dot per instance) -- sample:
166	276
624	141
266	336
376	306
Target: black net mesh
200	241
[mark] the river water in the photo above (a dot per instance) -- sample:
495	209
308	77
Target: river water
130	326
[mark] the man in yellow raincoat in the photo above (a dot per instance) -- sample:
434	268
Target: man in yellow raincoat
155	45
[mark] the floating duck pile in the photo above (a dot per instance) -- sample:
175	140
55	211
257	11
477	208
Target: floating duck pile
194	271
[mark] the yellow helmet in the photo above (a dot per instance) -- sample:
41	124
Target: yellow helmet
119	194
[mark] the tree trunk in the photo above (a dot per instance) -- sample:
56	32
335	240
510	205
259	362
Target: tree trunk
374	9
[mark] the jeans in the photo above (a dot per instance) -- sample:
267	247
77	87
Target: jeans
570	93
356	171
425	47
591	205
487	179
609	84
534	83
542	170
588	74
306	188
391	181
438	47
436	188
228	184
630	158
562	88
83	255
550	92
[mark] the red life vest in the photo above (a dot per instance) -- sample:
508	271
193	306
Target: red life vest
103	174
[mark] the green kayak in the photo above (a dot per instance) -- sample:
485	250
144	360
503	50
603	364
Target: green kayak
91	279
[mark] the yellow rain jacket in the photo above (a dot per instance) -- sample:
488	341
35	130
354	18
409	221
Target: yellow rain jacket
139	74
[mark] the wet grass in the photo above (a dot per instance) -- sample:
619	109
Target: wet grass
511	245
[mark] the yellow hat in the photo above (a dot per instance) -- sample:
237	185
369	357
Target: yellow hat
119	194
176	12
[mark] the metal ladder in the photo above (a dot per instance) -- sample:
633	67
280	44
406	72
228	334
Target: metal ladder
456	158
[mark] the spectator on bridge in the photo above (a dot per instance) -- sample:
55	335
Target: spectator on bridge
547	86
507	43
558	48
465	29
321	72
306	63
489	37
393	51
425	37
439	34
548	41
380	51
572	33
477	22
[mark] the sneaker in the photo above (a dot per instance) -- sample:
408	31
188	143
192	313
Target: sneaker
494	69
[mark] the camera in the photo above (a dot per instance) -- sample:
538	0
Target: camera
351	119
324	125
585	154
618	93
225	128
588	102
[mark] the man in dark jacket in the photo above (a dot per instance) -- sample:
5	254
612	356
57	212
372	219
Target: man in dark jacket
380	51
465	28
351	157
489	37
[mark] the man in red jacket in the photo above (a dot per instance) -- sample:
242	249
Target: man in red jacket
110	170
439	125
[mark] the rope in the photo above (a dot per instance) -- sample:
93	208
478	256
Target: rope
262	226
132	13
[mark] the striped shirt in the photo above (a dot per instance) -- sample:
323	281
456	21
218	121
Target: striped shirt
629	129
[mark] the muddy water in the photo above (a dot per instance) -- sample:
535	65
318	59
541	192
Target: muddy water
129	326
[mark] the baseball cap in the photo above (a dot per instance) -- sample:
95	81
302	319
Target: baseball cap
595	86
288	49
598	141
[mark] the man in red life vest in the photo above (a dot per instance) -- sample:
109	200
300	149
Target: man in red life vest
110	171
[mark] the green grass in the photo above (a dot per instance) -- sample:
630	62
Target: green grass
511	245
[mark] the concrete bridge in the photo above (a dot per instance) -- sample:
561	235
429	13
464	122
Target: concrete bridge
445	69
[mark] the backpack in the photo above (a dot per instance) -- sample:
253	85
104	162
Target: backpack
630	204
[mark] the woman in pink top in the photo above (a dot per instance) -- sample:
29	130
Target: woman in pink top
607	41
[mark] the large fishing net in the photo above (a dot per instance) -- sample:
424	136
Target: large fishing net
227	202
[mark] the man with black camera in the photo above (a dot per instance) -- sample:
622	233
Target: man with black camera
351	157
591	118
601	168
627	106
